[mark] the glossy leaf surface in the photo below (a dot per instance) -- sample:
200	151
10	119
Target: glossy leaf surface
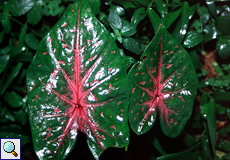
4	61
155	19
192	10
205	147
212	7
172	17
164	82
138	15
181	28
131	45
21	7
210	32
223	48
35	14
222	24
115	20
204	14
192	39
77	82
128	29
6	24
162	8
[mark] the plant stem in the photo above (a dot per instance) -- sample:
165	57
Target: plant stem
27	26
208	93
150	5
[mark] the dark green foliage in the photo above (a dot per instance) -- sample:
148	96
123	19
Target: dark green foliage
201	27
35	14
223	48
21	7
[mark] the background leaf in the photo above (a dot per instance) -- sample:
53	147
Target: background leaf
21	117
22	35
210	33
24	139
53	8
224	146
13	99
35	14
192	39
212	7
4	59
211	120
222	24
195	59
172	17
6	24
31	41
131	45
128	29
223	48
221	96
115	20
184	155
12	75
21	7
181	28
155	19
138	15
205	147
2	35
162	8
204	14
192	10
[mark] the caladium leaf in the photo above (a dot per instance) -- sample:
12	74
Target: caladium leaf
77	82
164	82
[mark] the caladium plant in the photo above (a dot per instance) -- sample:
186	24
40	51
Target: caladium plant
77	82
164	82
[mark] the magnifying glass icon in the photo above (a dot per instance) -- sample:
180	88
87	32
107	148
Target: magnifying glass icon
9	147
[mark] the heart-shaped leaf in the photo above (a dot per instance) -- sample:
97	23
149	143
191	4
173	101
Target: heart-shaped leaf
164	82
77	82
